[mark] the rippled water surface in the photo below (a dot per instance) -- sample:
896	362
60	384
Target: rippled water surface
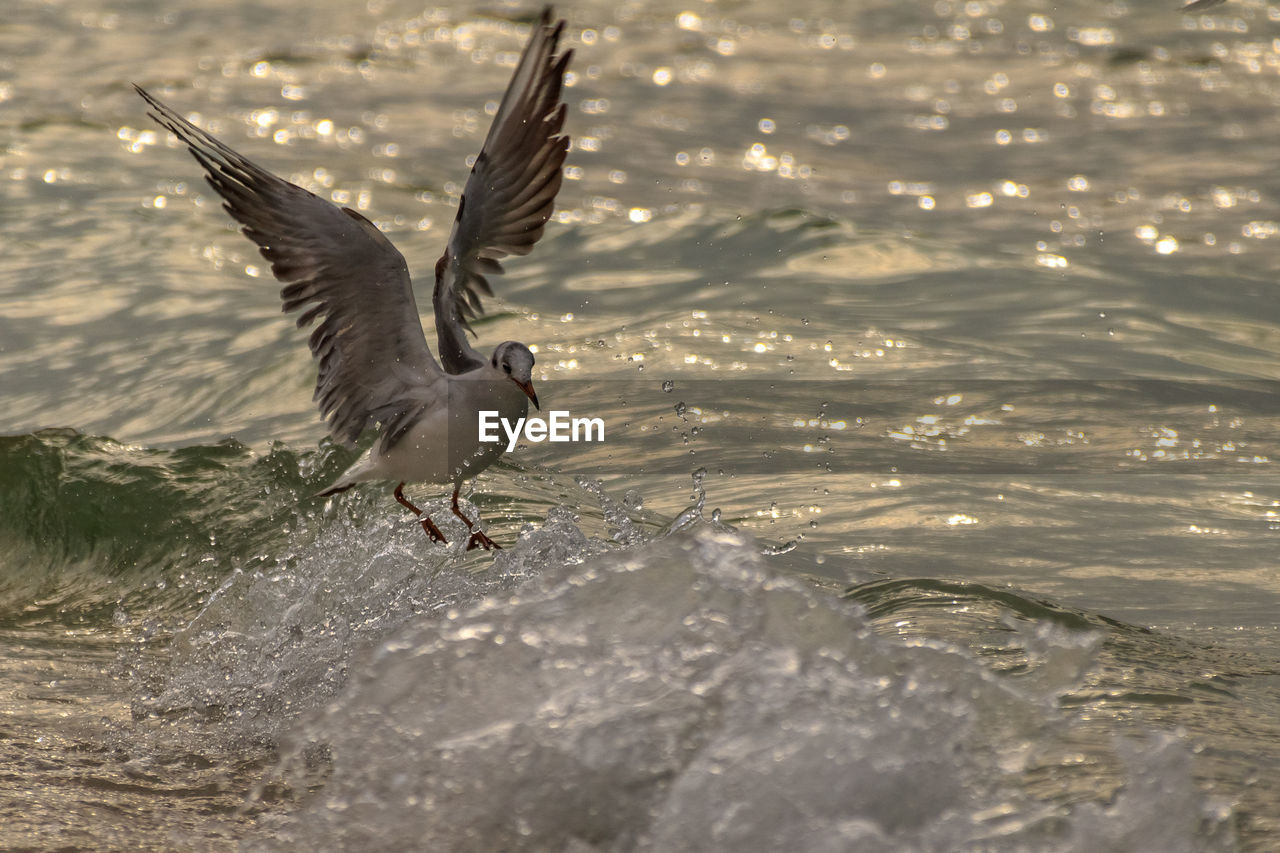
939	356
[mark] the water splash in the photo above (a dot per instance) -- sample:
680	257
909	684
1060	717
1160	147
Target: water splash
683	696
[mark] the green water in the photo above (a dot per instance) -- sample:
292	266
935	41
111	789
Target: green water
968	316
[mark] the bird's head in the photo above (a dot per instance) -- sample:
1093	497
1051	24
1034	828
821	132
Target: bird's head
515	361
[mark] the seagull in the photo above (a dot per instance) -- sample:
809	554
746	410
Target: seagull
375	369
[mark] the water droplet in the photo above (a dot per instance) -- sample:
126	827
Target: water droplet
775	550
668	385
681	408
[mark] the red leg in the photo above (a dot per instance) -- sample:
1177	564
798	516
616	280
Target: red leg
428	525
478	538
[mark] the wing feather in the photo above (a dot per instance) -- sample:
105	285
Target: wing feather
343	274
510	194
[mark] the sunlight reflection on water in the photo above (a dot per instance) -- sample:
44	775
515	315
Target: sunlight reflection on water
943	193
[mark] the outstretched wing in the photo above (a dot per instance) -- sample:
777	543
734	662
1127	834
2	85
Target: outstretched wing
338	268
509	196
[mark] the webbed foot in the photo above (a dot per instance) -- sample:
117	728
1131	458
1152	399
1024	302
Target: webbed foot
480	540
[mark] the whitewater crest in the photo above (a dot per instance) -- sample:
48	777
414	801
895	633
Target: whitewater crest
681	695
616	681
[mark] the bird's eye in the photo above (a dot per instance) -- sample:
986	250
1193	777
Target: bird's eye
506	367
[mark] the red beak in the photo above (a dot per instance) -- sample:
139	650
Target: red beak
527	388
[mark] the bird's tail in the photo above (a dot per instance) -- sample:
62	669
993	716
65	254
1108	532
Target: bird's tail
340	486
357	473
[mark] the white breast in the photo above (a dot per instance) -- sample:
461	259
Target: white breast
444	446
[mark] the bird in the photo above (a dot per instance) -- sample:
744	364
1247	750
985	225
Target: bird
375	367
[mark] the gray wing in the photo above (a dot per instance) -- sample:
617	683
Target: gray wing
509	196
338	268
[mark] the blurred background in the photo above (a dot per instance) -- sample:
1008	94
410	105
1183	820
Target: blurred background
963	311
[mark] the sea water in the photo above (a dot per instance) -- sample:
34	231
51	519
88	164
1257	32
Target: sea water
936	349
